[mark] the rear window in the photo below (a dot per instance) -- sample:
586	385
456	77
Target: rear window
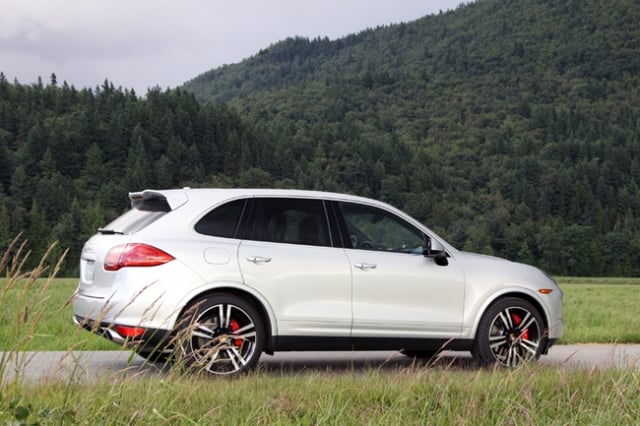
145	213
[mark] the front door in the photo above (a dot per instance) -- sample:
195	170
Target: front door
397	292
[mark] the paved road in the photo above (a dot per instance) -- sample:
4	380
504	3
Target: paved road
80	366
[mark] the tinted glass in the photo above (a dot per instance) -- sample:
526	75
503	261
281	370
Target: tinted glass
287	220
145	213
371	228
222	221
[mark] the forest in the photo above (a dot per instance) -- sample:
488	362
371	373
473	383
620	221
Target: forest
510	127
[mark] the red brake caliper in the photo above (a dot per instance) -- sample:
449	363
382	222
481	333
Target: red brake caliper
517	320
234	326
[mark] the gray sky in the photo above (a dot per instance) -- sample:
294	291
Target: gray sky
145	43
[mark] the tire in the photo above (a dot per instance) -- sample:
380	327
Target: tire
511	333
220	334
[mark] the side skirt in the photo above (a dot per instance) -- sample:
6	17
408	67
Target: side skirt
306	343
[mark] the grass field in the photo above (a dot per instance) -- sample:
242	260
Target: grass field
36	315
39	317
414	396
597	310
601	310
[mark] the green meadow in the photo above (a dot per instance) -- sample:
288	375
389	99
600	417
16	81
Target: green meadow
36	316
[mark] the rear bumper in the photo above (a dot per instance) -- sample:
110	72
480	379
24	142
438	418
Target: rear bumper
150	339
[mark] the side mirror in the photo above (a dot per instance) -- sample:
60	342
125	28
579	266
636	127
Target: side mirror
435	250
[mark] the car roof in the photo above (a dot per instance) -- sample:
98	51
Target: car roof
204	198
178	197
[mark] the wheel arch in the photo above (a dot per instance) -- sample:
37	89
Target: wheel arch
249	297
512	293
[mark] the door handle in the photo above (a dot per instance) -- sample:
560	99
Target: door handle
258	260
365	266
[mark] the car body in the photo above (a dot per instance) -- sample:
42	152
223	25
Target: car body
218	276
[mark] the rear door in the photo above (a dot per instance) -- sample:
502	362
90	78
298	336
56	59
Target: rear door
287	255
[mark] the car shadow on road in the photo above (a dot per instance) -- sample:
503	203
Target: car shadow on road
359	362
304	363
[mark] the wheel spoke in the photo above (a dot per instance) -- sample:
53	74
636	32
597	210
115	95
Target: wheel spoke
248	332
496	342
506	360
528	321
213	358
514	356
241	330
232	360
221	316
234	356
530	346
246	337
505	319
203	332
227	317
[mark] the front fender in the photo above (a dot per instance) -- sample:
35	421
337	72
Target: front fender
475	312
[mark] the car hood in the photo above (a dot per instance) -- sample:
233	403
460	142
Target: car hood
491	269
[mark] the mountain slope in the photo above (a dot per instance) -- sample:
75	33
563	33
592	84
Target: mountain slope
511	126
522	38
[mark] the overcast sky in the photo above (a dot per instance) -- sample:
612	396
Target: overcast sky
145	43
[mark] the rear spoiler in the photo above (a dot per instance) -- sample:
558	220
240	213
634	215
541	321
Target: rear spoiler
173	197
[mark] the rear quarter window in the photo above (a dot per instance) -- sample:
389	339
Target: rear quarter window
222	221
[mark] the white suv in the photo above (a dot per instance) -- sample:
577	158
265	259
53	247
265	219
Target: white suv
215	277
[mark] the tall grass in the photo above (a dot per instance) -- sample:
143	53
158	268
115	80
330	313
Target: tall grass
23	299
407	395
36	306
55	330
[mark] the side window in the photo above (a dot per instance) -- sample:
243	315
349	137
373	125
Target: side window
289	220
222	221
371	228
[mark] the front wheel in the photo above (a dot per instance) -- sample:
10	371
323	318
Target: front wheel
511	332
220	334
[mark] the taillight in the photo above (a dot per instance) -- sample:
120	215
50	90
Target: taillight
125	331
135	255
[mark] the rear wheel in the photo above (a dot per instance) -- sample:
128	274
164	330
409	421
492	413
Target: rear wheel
220	334
511	332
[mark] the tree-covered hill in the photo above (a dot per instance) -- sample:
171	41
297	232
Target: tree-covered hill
69	157
511	127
